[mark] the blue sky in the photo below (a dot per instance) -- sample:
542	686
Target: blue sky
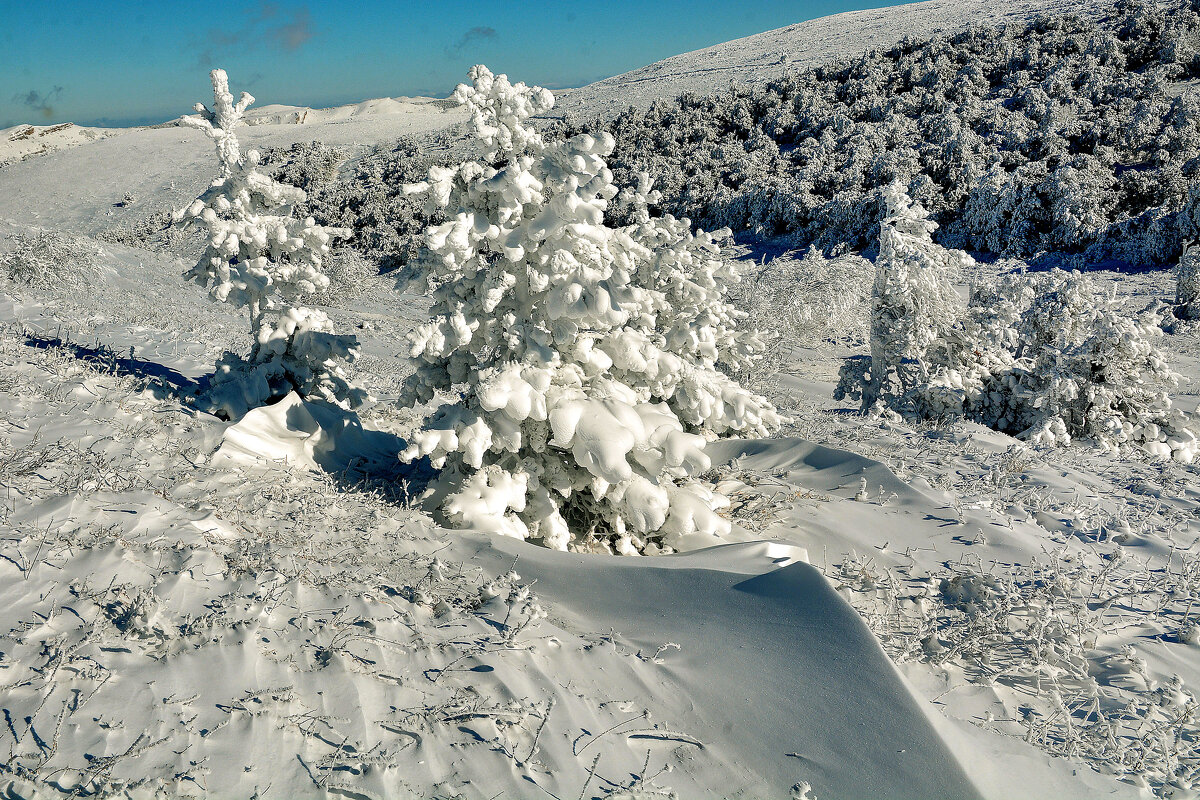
137	62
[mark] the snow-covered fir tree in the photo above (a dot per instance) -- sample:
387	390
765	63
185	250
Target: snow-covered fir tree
581	359
912	302
261	257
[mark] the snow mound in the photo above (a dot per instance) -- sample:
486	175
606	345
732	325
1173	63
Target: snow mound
304	435
276	114
23	141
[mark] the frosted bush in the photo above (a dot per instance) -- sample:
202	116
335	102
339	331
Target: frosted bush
582	359
1054	357
807	300
912	302
1187	283
261	257
48	260
308	165
1048	358
348	272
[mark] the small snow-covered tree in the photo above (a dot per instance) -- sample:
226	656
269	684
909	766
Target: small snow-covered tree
260	257
583	358
1187	282
912	302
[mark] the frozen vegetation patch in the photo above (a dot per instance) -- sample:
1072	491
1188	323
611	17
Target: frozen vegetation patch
1187	283
45	259
1056	356
1038	632
155	232
806	300
368	200
1048	357
305	165
1057	135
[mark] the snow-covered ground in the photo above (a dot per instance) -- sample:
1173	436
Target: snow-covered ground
191	607
224	609
25	141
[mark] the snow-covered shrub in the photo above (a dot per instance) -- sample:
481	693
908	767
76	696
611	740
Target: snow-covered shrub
348	271
306	165
48	260
368	199
155	232
582	358
1055	357
1048	358
1187	283
261	257
806	300
912	301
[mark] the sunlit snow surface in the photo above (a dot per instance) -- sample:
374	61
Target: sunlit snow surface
195	608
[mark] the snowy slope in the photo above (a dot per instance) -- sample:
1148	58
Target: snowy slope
23	141
163	167
275	114
765	56
196	608
298	640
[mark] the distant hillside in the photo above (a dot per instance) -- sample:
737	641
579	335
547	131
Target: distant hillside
1069	134
1077	136
754	60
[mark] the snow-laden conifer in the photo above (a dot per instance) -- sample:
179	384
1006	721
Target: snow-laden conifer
582	358
261	257
912	302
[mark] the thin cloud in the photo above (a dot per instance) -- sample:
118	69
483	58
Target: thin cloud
287	29
295	33
477	34
38	101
